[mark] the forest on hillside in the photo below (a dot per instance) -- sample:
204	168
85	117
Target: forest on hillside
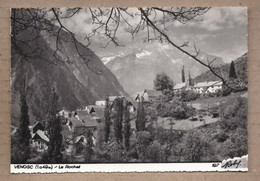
240	66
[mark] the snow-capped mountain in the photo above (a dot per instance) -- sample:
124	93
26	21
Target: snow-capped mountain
136	68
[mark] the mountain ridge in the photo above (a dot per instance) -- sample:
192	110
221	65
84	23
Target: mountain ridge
136	68
76	85
240	67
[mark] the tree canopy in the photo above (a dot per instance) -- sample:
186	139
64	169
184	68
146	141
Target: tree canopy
232	71
163	82
183	74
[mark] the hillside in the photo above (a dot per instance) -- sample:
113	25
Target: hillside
136	68
76	84
240	66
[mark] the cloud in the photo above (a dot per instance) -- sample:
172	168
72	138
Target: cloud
221	18
222	31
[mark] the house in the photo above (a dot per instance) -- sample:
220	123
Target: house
179	87
207	87
96	112
137	96
111	99
37	126
65	113
151	95
132	104
82	139
82	122
100	103
40	141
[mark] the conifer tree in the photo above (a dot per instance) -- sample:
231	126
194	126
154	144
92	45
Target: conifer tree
183	74
118	119
232	71
190	80
127	126
140	118
55	129
89	150
107	120
23	132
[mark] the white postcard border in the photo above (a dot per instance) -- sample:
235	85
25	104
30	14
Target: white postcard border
235	164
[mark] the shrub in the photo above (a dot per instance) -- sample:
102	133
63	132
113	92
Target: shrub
117	153
180	110
235	115
156	152
237	144
188	95
226	91
195	147
229	111
222	137
143	140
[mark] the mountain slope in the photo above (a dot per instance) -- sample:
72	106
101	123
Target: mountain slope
136	69
240	67
76	85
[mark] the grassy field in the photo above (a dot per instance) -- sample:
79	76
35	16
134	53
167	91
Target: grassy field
214	100
186	124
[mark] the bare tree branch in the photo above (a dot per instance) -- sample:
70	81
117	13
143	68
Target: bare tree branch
106	23
182	50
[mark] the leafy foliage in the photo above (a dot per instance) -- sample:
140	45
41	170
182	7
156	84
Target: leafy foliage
89	149
118	119
241	70
163	82
176	109
22	152
140	117
183	74
107	120
188	95
195	147
127	126
55	129
156	152
232	71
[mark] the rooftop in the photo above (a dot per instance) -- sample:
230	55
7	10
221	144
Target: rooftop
179	86
41	135
208	84
152	92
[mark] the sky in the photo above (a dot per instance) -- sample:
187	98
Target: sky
220	31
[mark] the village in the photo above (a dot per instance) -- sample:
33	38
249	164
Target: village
123	126
157	99
78	122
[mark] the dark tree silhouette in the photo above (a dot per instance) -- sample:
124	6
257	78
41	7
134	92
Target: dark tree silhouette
190	80
55	129
89	148
127	126
232	71
183	74
107	120
23	132
118	119
163	82
140	117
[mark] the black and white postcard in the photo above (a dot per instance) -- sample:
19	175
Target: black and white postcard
141	89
